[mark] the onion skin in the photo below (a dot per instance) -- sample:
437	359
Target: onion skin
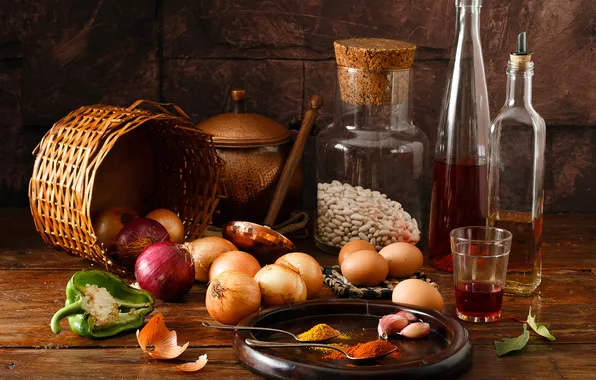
171	222
109	222
234	260
309	269
204	251
232	296
134	238
280	285
166	270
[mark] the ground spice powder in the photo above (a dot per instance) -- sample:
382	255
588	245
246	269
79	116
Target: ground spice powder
321	331
364	350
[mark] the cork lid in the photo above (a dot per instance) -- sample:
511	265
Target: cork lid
373	71
374	54
239	129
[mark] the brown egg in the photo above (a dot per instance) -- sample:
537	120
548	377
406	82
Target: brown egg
354	246
418	293
404	259
365	268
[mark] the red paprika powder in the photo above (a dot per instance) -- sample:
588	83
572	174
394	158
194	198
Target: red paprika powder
364	350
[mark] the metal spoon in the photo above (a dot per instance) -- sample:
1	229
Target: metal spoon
259	343
232	327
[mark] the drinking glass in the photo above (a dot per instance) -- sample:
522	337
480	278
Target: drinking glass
480	256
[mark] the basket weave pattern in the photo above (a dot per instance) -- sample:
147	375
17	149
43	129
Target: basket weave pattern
68	157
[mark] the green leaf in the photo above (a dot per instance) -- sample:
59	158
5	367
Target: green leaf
540	328
513	344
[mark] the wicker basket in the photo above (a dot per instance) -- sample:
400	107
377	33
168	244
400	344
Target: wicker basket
150	160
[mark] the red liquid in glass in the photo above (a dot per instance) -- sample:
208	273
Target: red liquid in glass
458	200
479	299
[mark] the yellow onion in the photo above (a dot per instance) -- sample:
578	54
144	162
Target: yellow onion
109	222
309	269
232	296
234	260
204	251
280	284
171	223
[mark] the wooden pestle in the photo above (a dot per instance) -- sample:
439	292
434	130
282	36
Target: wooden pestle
310	116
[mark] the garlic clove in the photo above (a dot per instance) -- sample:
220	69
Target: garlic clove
391	324
416	330
407	315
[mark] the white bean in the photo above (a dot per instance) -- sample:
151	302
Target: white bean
357	217
366	227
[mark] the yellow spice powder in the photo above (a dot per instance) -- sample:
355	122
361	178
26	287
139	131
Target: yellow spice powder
321	331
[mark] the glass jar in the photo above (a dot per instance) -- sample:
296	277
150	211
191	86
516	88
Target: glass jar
372	160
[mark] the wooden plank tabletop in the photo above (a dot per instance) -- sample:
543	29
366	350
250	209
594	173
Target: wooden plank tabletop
33	277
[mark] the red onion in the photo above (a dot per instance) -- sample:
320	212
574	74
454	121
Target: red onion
166	270
134	237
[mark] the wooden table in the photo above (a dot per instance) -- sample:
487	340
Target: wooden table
33	277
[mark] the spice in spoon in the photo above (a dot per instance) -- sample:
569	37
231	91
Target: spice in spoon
364	350
318	333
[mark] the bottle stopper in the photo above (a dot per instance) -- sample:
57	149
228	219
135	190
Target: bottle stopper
521	60
373	71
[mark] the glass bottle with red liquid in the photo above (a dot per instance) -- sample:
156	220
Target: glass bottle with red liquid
459	193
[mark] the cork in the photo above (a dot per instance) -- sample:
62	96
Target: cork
521	62
368	70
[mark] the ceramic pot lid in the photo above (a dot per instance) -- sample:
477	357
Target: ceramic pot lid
244	130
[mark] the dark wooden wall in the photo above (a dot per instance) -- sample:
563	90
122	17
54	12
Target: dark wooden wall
56	55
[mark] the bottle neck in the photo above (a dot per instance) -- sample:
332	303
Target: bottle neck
468	20
519	88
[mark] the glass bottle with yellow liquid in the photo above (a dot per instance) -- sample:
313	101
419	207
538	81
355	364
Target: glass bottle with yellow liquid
516	174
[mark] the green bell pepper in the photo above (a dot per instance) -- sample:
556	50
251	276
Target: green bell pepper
99	305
